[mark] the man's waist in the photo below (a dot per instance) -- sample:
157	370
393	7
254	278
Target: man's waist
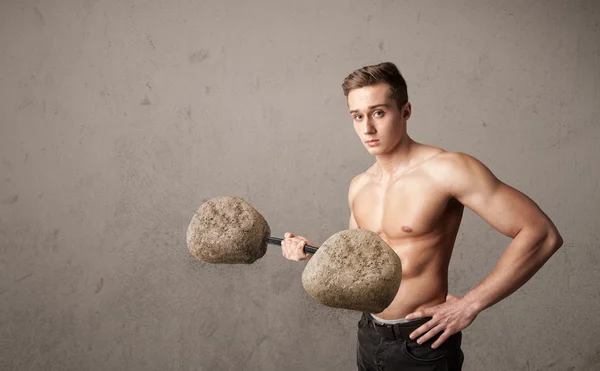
394	329
392	321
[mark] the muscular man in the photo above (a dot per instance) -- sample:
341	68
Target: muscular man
413	197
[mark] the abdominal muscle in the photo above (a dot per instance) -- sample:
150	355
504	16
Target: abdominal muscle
424	276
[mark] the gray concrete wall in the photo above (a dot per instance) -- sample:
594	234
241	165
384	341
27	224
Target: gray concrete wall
118	118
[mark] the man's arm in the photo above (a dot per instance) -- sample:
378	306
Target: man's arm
352	190
352	224
535	240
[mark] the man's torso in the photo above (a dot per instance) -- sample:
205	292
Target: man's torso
415	214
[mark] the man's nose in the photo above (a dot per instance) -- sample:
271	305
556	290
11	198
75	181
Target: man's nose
369	128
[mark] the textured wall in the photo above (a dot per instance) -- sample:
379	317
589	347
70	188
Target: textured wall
118	118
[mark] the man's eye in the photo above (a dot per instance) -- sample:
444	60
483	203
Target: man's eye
378	113
357	117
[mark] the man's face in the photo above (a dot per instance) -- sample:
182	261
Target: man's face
378	121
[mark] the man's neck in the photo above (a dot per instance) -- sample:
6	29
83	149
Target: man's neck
399	160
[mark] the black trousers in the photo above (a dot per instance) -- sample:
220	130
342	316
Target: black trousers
391	349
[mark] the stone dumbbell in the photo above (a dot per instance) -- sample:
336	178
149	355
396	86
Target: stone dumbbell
353	269
229	230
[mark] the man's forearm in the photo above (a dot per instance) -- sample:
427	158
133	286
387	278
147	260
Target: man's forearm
526	254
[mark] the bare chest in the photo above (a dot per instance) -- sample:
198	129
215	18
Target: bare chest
404	209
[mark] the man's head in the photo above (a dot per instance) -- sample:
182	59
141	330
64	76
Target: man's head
378	103
383	73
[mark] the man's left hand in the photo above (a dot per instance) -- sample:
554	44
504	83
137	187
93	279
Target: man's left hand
450	317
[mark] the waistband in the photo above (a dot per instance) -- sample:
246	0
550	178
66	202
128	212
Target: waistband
392	321
396	331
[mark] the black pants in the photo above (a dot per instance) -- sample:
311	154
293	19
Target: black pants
392	350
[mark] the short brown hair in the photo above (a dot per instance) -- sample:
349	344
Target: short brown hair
387	73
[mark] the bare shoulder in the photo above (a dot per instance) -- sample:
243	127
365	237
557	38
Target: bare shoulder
455	170
454	162
450	160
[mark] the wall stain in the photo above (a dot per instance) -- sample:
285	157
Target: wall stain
145	101
52	240
150	41
187	111
258	343
198	57
99	285
10	200
208	328
39	15
24	277
24	104
551	364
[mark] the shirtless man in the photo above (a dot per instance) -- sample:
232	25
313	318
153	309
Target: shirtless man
413	197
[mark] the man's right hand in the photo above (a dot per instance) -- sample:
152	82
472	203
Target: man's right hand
292	247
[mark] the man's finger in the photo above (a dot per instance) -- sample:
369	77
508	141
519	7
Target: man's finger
415	315
428	312
423	329
431	333
441	339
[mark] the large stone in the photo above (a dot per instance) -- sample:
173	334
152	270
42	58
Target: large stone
228	230
354	269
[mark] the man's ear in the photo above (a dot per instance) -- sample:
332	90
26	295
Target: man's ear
406	111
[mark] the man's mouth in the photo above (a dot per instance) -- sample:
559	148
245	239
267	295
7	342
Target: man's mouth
372	142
